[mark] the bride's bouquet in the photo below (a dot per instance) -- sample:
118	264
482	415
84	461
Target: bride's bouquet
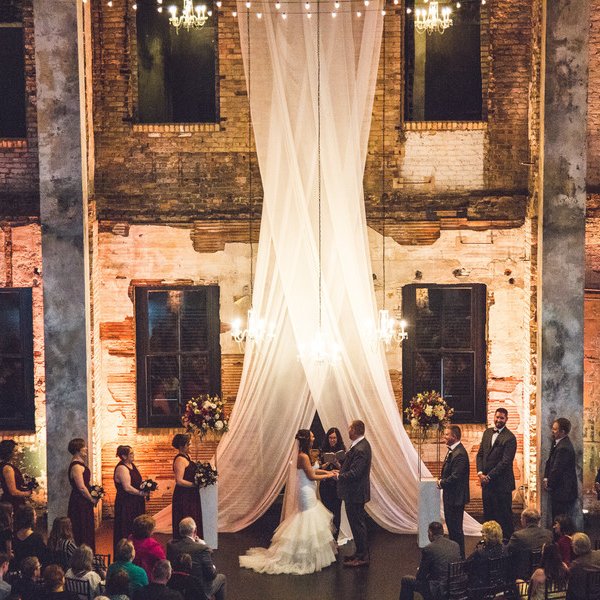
205	475
428	410
205	414
96	492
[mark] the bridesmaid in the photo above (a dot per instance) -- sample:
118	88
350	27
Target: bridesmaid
11	479
130	501
186	499
81	503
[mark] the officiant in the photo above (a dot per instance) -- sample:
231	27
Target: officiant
332	443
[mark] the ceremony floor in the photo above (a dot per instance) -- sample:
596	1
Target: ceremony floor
392	556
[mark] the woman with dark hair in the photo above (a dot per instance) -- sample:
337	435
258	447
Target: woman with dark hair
332	442
6	527
186	498
183	581
81	503
563	528
28	585
61	542
130	501
303	542
54	583
27	542
147	550
552	571
11	479
118	585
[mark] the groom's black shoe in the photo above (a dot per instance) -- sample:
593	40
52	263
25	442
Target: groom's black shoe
357	562
348	559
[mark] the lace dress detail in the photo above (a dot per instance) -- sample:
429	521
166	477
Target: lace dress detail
303	543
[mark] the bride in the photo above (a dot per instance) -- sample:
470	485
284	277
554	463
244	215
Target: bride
303	542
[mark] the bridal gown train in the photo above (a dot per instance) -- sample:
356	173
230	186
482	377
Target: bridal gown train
303	542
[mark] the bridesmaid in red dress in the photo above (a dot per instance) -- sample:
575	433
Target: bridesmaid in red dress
186	499
130	501
81	503
11	479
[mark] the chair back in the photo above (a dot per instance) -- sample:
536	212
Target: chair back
498	573
592	585
81	587
596	544
522	588
102	560
457	585
12	576
535	560
555	591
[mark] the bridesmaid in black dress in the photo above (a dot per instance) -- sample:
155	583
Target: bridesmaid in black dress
81	503
130	501
11	479
186	499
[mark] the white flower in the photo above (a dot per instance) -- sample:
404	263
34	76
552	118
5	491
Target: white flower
440	412
219	425
206	404
429	410
414	422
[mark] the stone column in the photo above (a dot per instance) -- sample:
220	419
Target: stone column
63	214
562	224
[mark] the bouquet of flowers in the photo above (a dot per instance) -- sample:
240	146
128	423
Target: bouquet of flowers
428	410
204	414
205	475
30	483
148	485
96	492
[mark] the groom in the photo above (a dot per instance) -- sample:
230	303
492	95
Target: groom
354	488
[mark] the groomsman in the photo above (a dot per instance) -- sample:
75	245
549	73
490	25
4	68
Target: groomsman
495	471
455	485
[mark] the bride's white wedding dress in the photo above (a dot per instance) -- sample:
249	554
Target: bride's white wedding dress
303	542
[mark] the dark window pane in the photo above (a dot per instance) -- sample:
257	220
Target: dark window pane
428	324
457	318
458	382
163	374
162	320
12	83
12	388
428	372
195	376
10	323
194	322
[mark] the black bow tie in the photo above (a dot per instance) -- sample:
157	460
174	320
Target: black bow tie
496	431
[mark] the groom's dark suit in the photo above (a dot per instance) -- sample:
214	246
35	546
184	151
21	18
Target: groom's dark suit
354	488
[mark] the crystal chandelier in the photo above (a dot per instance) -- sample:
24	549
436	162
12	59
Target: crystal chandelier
191	16
256	330
429	19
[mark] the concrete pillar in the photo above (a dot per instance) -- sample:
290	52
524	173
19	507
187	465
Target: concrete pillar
63	213
562	223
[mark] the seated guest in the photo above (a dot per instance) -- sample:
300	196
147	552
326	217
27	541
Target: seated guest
586	560
552	571
488	548
4	587
61	542
117	585
158	590
183	581
54	584
124	560
6	527
433	569
81	568
213	583
147	549
28	584
27	542
527	540
563	528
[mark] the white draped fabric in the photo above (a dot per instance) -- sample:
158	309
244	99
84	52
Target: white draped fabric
279	392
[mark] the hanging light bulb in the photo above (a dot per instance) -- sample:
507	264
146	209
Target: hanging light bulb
234	14
219	3
333	15
307	5
337	4
248	4
159	9
277	5
284	16
358	14
259	15
308	15
383	13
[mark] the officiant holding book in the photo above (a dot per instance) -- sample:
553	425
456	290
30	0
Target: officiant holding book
331	456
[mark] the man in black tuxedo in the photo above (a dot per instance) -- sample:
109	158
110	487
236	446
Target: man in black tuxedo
354	488
495	471
560	474
454	484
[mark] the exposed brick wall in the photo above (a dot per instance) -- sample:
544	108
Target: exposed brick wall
19	182
593	172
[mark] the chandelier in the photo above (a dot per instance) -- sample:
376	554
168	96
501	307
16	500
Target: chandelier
191	16
256	330
429	19
389	331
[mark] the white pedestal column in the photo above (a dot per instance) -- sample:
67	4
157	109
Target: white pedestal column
429	508
209	497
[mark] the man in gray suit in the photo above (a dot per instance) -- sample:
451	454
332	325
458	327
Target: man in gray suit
527	540
354	488
430	580
213	583
586	561
455	485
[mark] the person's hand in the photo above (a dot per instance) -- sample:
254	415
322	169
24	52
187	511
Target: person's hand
439	484
482	478
546	484
28	493
335	474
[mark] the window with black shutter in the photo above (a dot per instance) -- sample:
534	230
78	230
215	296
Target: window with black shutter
17	412
178	350
446	348
12	78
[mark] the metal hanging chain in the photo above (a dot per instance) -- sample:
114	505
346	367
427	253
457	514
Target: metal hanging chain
319	150
383	197
250	196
